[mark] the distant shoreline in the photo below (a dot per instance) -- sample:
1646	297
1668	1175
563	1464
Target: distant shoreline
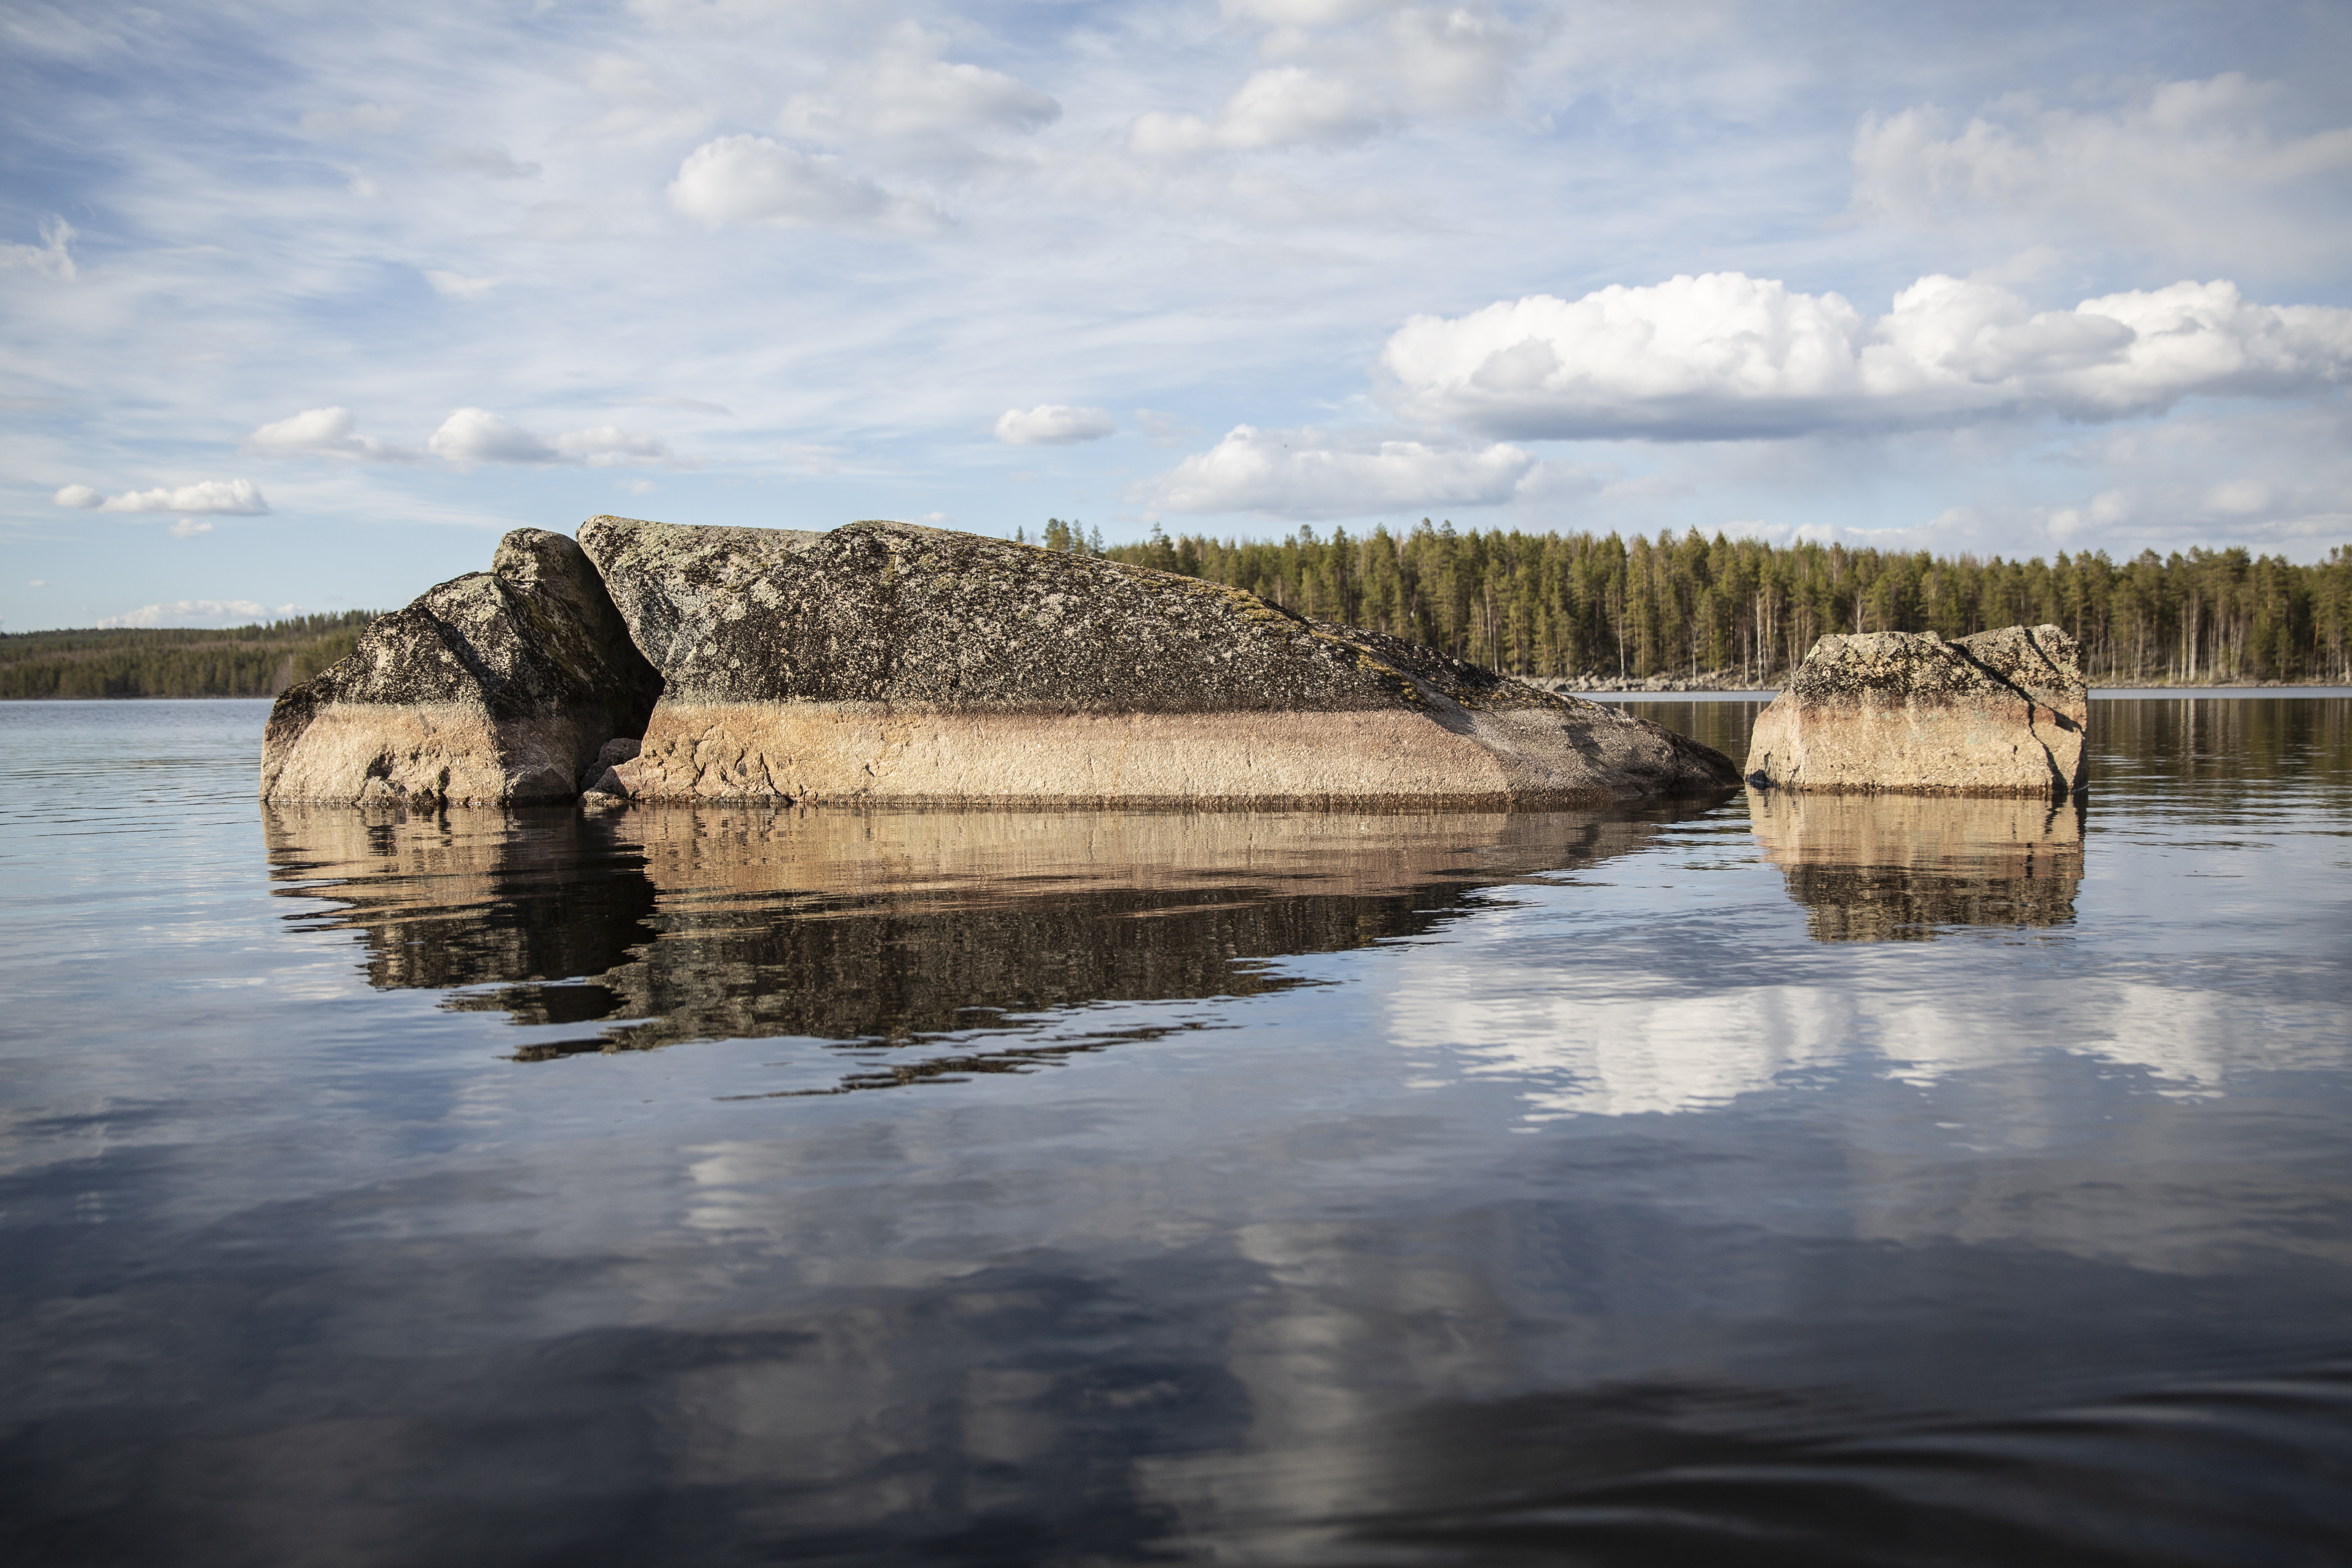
1565	687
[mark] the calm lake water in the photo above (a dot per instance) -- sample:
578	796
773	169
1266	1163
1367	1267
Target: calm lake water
1765	1181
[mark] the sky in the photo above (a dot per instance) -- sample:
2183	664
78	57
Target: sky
303	306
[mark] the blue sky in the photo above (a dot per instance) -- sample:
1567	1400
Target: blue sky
304	305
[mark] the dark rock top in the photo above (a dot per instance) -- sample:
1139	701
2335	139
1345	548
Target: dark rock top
1877	670
888	612
536	636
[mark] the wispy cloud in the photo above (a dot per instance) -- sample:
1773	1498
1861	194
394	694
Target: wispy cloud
457	286
359	119
52	257
2188	167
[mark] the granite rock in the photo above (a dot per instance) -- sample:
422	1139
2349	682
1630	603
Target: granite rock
2000	712
496	687
882	662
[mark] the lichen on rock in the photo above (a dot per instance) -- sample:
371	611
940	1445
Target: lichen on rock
887	662
496	687
1998	712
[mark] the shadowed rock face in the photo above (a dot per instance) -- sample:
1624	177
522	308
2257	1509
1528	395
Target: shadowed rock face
2000	712
496	687
883	662
1894	867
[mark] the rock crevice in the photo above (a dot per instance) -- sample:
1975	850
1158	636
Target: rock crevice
496	687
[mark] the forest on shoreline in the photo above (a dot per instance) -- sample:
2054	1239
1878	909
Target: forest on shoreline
259	660
1551	604
1581	604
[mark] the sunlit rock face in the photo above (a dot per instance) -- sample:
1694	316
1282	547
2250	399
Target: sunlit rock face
1893	867
496	687
883	663
2000	712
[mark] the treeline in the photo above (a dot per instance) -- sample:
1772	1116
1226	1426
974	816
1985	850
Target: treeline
176	661
1574	604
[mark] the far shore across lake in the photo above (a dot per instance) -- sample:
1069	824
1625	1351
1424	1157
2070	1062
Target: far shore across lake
1714	685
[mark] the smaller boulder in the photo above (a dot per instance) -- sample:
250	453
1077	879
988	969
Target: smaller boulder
2000	712
499	686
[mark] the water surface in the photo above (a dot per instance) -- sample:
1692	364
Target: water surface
1775	1180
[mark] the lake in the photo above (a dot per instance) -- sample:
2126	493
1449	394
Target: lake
1805	1181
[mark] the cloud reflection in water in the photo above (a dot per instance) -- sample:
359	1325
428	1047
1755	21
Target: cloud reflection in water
1652	1031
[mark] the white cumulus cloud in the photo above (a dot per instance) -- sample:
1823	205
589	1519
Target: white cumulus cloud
754	179
1311	473
474	436
238	497
1054	425
324	433
1728	356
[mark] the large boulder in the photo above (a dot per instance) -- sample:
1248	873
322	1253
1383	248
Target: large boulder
881	662
500	686
2000	712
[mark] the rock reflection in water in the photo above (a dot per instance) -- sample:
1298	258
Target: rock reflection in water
1893	867
468	897
888	929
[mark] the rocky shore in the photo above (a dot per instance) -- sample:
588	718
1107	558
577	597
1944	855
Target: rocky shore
1707	680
